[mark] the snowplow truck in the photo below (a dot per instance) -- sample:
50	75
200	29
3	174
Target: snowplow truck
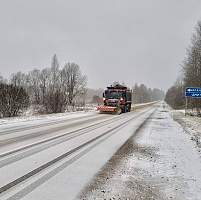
116	99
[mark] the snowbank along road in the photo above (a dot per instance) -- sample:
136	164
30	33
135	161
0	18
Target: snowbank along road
55	158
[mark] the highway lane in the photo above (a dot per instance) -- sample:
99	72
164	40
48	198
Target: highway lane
22	136
18	125
30	161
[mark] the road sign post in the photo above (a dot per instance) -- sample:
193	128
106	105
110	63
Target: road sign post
193	92
186	105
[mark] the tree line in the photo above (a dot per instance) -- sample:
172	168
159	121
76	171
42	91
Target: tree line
190	77
51	90
143	94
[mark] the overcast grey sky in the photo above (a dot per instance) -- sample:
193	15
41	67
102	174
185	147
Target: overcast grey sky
125	40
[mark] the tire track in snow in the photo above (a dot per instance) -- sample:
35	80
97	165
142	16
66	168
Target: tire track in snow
30	174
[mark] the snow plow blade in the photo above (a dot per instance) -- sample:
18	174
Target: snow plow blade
108	109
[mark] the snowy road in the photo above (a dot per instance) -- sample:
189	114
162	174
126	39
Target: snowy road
54	158
161	161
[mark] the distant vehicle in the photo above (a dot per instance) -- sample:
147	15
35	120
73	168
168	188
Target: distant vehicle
116	99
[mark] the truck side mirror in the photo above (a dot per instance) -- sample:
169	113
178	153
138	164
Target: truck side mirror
103	94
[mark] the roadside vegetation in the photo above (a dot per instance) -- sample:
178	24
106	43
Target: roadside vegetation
190	77
143	94
50	90
13	100
57	89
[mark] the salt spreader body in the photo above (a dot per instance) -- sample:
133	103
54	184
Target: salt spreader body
116	99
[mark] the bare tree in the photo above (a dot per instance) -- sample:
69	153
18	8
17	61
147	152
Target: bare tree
2	80
44	78
175	95
19	79
13	100
34	86
74	81
142	94
192	66
53	89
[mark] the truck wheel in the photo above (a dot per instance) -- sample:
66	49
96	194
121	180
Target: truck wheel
119	111
129	107
123	110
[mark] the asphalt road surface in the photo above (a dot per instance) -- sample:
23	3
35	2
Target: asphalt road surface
136	155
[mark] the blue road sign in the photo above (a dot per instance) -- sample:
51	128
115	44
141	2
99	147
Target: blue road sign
193	92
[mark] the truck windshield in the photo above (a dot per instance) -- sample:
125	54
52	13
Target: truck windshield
113	95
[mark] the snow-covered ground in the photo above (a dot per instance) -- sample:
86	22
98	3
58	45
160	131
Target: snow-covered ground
160	161
41	119
144	155
191	125
31	118
83	145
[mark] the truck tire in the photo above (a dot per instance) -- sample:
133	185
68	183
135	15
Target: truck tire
118	111
123	109
129	107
